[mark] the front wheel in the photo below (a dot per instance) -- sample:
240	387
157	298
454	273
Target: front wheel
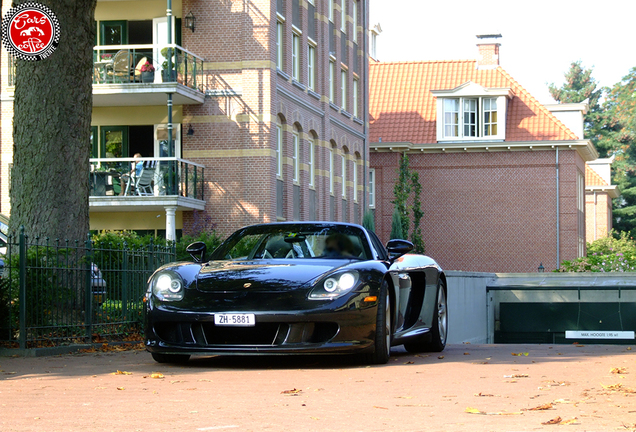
170	358
383	332
439	327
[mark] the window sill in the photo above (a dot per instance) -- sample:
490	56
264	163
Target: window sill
299	84
313	93
283	74
334	106
280	219
357	120
346	113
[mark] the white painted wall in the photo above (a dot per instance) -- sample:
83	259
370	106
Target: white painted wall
467	306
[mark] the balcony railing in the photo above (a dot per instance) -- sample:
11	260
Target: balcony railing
146	177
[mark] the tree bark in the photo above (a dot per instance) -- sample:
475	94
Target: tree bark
51	130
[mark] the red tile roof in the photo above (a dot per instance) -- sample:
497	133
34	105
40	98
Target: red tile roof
402	108
592	178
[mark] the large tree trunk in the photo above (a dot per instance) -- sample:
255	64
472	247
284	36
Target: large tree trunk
51	130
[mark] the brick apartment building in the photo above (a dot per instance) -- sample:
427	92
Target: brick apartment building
268	117
503	178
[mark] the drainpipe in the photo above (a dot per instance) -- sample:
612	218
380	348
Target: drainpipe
558	227
595	204
365	79
170	53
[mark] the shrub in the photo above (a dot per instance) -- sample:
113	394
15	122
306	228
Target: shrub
396	225
614	253
368	221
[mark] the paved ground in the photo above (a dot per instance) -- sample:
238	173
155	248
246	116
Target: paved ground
472	387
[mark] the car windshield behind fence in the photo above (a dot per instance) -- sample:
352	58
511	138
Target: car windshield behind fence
287	241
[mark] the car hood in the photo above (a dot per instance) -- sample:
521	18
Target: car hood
263	275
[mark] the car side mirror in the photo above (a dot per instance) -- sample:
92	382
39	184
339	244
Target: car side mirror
398	247
197	251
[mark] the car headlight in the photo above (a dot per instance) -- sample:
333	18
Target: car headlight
168	286
334	286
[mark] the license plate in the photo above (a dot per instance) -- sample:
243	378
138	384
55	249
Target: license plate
229	319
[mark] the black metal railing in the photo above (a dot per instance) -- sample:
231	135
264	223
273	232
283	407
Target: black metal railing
56	292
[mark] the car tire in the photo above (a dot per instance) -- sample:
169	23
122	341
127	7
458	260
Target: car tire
383	334
436	340
170	358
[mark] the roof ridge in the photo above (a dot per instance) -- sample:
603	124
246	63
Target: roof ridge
537	103
381	63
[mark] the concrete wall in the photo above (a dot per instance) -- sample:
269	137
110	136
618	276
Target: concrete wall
467	306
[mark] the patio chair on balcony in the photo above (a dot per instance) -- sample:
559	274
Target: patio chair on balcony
120	69
143	183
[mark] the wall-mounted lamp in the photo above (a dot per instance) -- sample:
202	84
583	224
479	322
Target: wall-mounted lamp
190	130
541	269
190	21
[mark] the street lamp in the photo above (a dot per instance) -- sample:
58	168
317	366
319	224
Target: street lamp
541	269
190	21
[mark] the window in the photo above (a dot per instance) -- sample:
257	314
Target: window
296	57
344	176
332	83
331	169
343	89
311	67
355	180
371	188
355	98
279	44
310	163
343	16
295	154
354	15
463	116
331	10
279	151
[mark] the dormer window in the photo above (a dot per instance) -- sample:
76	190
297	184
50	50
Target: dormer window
471	112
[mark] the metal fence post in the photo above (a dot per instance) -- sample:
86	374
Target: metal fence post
88	313
151	255
124	282
22	292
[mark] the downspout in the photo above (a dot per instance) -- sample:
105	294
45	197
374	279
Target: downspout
170	54
365	80
595	205
558	227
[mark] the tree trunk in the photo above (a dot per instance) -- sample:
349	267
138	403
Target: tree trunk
51	130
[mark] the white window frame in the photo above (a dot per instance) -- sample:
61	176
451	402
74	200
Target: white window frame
355	180
296	56
344	175
332	82
331	10
343	89
343	16
331	171
470	90
355	97
354	14
311	67
279	151
372	187
279	44
295	157
311	162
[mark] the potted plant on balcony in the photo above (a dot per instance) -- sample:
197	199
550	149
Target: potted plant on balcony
168	75
147	72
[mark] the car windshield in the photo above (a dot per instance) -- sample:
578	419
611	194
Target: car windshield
304	241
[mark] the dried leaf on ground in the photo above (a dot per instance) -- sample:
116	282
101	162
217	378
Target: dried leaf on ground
121	373
480	394
408	362
569	421
121	388
379	407
156	375
516	376
292	392
471	410
440	357
555	420
539	408
618	370
521	354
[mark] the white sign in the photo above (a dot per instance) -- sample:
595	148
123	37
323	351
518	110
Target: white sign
598	334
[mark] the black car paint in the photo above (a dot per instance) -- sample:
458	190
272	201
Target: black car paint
277	292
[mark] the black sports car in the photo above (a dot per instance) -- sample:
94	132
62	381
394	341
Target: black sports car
297	288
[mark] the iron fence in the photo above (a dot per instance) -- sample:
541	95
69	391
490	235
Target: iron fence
60	292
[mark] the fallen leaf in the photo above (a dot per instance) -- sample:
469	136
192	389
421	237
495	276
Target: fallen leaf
569	421
156	375
466	353
520	354
379	407
629	348
121	388
292	392
555	420
480	394
471	410
619	370
409	362
314	418
539	408
440	357
404	397
121	373
612	386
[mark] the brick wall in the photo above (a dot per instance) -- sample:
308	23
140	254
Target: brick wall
598	210
491	212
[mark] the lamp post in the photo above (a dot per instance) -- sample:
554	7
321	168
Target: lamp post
541	269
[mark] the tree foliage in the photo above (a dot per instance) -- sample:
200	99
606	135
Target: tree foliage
402	190
408	183
368	220
396	225
614	253
418	214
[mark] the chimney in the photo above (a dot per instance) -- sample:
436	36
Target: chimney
488	45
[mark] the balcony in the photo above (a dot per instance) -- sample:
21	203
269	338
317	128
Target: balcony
119	78
145	184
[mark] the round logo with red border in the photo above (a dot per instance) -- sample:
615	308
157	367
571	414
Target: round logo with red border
30	31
